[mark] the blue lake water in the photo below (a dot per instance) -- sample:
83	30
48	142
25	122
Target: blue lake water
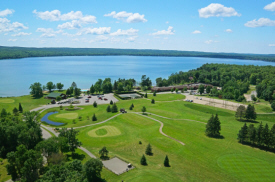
18	74
45	119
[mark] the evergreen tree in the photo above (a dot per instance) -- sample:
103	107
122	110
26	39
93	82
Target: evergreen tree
240	113
252	133
111	102
3	113
94	118
243	134
210	126
266	135
108	108
143	161
132	105
166	162
20	109
148	150
145	95
131	108
114	108
155	93
153	101
250	113
68	92
272	136
217	126
273	105
115	85
143	110
259	134
15	111
95	104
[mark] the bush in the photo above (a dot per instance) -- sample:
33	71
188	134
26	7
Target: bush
153	101
140	142
114	108
111	102
61	107
95	104
108	108
155	93
58	98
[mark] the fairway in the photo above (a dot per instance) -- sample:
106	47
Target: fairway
247	168
166	97
104	131
67	115
6	101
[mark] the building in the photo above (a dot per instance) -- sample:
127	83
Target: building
53	95
180	87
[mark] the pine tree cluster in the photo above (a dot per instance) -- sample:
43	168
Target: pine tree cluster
260	136
213	126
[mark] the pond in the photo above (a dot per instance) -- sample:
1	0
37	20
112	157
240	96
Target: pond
45	119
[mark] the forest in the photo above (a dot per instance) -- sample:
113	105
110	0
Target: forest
23	52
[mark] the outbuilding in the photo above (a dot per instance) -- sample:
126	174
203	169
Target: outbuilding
54	95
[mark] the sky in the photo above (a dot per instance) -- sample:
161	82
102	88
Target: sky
246	26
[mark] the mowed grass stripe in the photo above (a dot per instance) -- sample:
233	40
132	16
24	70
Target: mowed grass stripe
6	101
111	131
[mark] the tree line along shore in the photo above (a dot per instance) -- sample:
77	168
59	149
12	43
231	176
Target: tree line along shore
24	52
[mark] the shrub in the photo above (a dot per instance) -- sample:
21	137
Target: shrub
95	104
143	161
155	93
58	98
140	142
153	101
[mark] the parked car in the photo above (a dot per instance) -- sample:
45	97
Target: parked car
89	96
87	100
105	99
191	100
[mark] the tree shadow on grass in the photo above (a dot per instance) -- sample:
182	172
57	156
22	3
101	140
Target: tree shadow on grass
75	156
217	137
145	114
247	121
104	158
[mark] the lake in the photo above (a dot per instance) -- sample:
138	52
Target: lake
18	74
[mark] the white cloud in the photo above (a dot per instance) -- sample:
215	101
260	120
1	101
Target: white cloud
271	45
48	32
6	12
128	17
98	31
270	7
77	18
217	10
169	31
262	22
102	37
229	30
21	34
132	39
12	40
210	41
130	31
167	22
6	26
196	32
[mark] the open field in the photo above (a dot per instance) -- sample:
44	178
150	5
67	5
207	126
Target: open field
211	158
166	97
86	113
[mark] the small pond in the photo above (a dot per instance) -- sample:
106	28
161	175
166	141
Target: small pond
45	119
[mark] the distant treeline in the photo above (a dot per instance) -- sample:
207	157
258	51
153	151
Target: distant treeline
23	52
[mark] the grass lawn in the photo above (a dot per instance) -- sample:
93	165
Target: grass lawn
3	171
86	113
201	159
166	97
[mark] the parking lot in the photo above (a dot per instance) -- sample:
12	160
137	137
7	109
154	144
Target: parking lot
85	100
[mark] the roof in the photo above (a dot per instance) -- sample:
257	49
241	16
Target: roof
54	94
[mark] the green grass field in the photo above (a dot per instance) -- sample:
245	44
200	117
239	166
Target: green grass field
166	97
86	113
104	131
201	159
